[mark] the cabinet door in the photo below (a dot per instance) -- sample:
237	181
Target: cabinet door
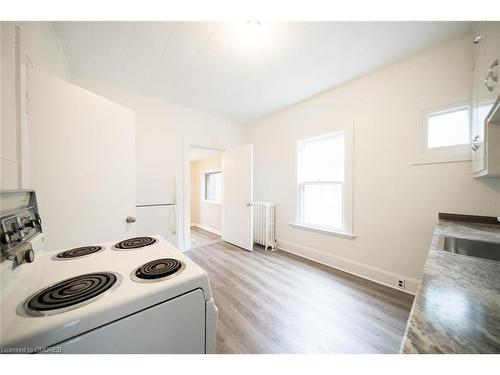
493	57
480	102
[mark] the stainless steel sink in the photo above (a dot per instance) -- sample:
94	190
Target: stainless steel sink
478	249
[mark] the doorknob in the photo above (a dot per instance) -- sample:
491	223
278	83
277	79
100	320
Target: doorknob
130	219
249	204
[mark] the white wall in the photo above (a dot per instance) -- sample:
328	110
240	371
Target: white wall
2	162
163	131
205	214
395	203
10	159
42	48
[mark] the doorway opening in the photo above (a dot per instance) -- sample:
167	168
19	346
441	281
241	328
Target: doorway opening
206	181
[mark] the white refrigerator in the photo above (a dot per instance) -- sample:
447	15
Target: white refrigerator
156	208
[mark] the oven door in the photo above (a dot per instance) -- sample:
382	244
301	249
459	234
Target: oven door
176	326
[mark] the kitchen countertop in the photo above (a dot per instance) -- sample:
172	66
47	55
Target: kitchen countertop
457	307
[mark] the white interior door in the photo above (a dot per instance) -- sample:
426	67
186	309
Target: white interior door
81	162
237	210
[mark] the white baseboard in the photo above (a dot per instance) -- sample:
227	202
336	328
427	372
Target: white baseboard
208	229
374	274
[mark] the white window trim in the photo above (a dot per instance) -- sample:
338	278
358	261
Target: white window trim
300	203
203	179
347	189
446	154
323	230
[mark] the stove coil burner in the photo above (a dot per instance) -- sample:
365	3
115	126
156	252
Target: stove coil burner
70	294
78	252
158	269
134	243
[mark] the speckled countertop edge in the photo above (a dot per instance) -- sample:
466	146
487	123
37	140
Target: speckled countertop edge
456	282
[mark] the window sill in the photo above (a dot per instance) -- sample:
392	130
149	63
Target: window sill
211	202
443	157
331	232
441	160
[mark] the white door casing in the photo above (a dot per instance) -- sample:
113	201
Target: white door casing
237	196
81	155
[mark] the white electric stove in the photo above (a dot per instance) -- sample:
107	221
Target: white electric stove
139	295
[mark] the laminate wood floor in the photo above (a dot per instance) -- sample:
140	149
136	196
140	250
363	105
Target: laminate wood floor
275	302
201	237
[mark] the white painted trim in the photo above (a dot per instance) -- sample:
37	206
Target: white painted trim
208	229
449	158
211	202
348	183
364	271
8	159
331	232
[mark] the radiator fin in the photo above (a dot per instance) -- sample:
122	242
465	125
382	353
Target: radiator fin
264	216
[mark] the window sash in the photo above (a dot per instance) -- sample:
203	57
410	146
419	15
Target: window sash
329	164
446	149
301	203
450	111
212	186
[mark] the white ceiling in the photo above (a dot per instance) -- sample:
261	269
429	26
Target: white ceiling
241	72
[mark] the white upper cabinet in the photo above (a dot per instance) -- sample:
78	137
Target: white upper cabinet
493	57
486	90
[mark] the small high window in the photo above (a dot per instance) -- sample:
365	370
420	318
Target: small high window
448	128
446	135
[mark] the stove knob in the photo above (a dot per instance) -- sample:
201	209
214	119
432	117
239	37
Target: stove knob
29	256
31	223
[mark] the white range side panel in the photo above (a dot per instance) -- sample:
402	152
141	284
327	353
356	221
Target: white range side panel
211	316
237	196
173	327
81	157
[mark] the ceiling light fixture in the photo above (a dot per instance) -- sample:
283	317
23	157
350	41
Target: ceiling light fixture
250	35
253	24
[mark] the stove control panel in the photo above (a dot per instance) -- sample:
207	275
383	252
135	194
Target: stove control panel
19	222
19	227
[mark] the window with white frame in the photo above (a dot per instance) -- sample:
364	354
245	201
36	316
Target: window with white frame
320	179
447	134
212	186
